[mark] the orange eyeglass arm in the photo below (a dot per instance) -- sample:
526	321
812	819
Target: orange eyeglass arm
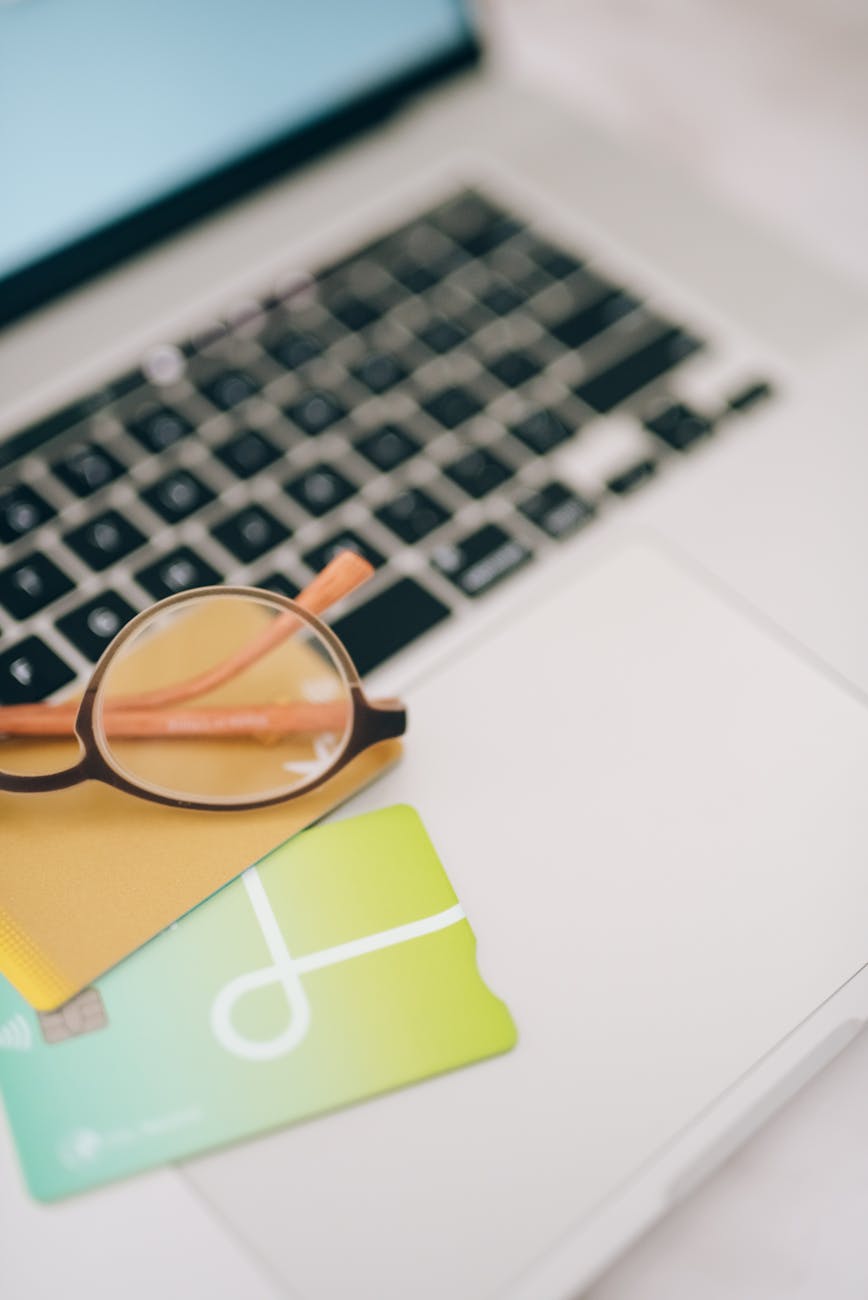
263	721
131	716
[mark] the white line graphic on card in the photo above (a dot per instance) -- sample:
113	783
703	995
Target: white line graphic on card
287	970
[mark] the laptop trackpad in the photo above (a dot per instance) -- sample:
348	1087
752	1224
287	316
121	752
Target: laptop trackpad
653	812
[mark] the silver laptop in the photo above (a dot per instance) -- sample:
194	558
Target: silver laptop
278	279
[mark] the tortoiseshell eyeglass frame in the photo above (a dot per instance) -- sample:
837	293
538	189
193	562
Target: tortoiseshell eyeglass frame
371	721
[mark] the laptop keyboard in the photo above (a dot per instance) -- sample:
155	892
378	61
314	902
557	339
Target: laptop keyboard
415	403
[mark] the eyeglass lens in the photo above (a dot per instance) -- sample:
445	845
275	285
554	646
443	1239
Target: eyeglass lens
223	698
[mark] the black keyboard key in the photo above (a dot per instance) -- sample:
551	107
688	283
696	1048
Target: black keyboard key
416	276
542	431
413	515
388	447
479	472
294	349
532	282
476	226
94	625
389	622
418	257
30	671
585	324
21	510
442	335
280	583
465	214
557	510
247	453
177	496
180	570
501	299
554	262
750	396
379	373
354	313
320	488
481	560
315	412
87	468
230	388
619	381
632	478
158	427
453	406
679	426
104	540
347	540
31	584
514	368
250	533
491	236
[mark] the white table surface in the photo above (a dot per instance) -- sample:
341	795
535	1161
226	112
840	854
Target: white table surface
766	103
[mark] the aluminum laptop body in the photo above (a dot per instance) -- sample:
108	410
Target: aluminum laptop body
640	755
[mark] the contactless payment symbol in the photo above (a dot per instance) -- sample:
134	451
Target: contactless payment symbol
338	967
16	1035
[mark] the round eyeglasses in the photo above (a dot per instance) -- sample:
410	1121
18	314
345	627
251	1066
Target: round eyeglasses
218	698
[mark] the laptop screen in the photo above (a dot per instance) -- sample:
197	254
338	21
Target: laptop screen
108	111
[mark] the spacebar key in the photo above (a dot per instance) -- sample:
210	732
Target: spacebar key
389	622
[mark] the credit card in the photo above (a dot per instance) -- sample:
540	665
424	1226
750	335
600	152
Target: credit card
339	967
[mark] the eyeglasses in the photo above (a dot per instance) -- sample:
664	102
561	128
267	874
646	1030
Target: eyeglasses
219	698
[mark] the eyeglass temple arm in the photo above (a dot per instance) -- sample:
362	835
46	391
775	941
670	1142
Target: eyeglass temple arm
343	574
265	722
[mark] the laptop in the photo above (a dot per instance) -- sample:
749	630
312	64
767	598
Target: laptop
280	279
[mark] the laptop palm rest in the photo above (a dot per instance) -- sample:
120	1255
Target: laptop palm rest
653	814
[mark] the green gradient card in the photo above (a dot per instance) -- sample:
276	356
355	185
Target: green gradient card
340	966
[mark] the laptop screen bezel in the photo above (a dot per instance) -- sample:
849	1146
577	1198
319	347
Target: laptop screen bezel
39	283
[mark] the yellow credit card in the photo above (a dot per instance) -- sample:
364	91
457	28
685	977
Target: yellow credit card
89	874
